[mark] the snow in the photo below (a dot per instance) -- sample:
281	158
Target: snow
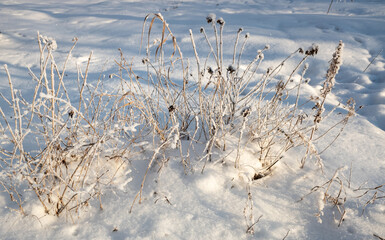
210	205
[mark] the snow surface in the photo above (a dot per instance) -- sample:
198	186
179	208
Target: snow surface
210	205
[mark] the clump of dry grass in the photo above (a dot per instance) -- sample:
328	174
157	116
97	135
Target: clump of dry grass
84	142
77	148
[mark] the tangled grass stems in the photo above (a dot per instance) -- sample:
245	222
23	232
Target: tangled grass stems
87	144
73	140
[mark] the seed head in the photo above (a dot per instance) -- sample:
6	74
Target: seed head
231	68
211	18
312	51
300	50
334	67
145	60
50	42
221	22
171	108
71	113
210	71
246	112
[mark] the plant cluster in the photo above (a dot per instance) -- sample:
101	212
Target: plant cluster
79	143
84	142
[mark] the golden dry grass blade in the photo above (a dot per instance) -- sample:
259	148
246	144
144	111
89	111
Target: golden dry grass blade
174	46
149	33
163	39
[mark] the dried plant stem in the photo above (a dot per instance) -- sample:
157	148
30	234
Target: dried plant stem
199	74
373	60
236	163
211	47
12	191
155	154
330	6
241	51
236	44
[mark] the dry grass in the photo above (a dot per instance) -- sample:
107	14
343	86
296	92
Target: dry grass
77	147
84	143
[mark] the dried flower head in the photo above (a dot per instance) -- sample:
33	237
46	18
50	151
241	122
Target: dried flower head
300	50
334	67
145	60
171	108
221	22
210	71
246	112
49	42
231	68
312	50
211	18
247	35
71	113
240	30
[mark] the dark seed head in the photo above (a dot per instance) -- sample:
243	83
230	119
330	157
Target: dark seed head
231	69
220	21
211	18
171	108
71	113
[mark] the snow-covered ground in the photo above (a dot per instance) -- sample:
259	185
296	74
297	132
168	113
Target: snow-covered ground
211	205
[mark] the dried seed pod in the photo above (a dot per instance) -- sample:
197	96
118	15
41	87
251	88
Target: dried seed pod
221	22
231	68
312	51
211	18
210	71
246	112
171	108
